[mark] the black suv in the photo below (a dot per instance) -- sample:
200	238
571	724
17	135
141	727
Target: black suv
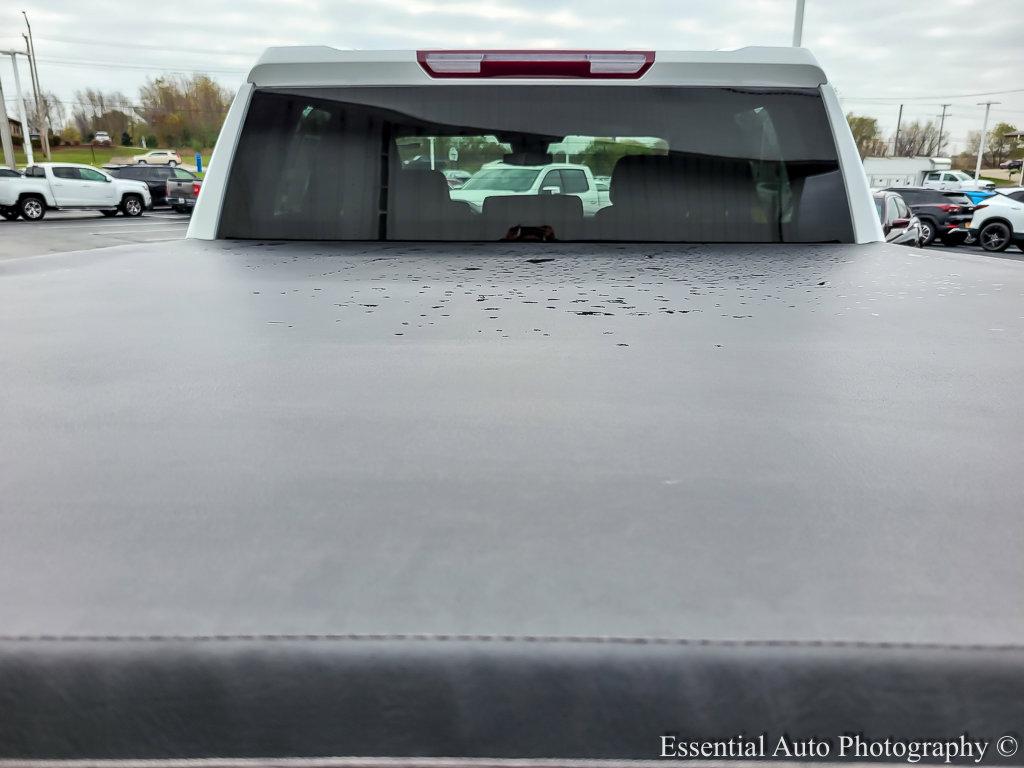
155	176
943	215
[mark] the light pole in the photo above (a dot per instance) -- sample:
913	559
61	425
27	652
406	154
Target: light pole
798	24
26	138
41	114
984	131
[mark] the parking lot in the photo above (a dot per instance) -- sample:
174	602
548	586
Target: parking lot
64	231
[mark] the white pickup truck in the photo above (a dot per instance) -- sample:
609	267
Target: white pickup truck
501	179
49	186
929	172
356	476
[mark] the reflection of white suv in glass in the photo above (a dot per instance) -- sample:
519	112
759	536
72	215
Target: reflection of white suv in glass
955	181
999	221
549	179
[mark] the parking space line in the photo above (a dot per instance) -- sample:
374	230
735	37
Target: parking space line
133	227
147	231
111	227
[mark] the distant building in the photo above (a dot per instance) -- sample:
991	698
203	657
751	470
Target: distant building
15	128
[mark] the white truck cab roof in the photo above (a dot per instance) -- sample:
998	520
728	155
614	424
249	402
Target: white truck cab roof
323	65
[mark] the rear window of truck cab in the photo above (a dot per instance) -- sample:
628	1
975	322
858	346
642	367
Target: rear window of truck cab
680	164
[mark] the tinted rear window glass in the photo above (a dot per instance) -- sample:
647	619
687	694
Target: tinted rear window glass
686	165
574	181
919	196
957	199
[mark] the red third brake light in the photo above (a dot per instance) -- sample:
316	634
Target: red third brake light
539	64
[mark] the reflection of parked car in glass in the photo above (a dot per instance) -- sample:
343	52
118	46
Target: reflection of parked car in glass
548	179
943	215
899	225
1011	164
102	139
457	178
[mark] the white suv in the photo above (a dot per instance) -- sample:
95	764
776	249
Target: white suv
503	179
999	221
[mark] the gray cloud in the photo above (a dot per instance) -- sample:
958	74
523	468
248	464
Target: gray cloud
876	52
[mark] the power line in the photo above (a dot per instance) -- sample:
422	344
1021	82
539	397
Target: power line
145	47
151	68
897	99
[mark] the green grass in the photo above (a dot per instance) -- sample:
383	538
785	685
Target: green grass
99	156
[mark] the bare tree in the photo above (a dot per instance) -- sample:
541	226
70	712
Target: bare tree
917	139
184	111
98	111
52	108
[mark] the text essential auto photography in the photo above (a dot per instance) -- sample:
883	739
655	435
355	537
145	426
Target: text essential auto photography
845	747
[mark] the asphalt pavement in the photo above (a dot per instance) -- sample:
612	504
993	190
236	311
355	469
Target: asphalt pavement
64	231
83	230
1013	252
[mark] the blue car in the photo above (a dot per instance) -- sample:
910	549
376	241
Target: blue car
977	195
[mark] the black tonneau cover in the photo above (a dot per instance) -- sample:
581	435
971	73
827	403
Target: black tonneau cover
283	500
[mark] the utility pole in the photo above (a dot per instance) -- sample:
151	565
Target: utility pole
5	131
942	123
26	139
41	114
984	132
798	24
36	117
896	138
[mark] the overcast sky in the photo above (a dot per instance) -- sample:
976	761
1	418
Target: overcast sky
876	52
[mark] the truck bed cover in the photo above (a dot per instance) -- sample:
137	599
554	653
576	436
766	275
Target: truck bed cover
313	500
